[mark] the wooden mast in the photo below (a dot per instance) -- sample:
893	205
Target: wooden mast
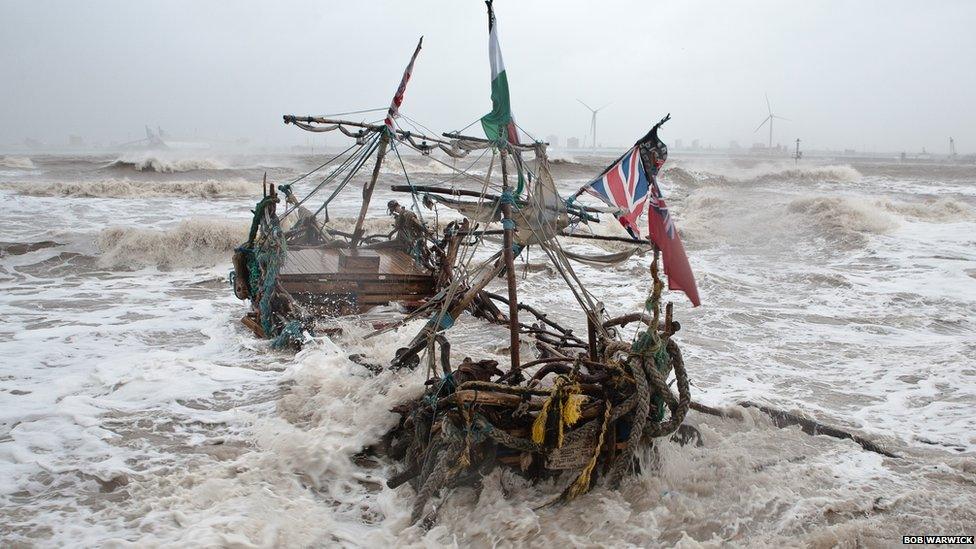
509	254
368	189
388	131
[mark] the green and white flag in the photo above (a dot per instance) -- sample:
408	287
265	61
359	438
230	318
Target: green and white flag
499	124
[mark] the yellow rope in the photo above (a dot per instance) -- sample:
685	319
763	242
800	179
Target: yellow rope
568	404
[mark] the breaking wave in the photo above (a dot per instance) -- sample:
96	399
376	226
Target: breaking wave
192	243
124	188
415	164
692	178
195	242
940	210
16	162
844	219
761	174
561	157
758	220
166	165
811	174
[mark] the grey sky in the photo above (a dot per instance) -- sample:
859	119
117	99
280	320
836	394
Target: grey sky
889	75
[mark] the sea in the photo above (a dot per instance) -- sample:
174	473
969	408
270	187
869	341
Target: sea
137	411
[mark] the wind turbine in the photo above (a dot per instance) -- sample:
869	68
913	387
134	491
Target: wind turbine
593	120
769	119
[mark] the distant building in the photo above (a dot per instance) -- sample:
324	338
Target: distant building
678	144
572	143
734	145
553	140
76	141
695	145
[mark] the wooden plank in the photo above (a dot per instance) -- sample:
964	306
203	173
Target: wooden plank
252	323
311	261
359	261
331	287
322	260
370	299
385	298
329	277
341	287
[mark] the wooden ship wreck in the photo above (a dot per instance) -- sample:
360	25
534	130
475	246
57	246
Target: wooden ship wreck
582	407
311	270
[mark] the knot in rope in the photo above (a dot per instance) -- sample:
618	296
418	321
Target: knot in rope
507	197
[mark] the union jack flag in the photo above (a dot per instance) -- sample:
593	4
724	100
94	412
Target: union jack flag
628	186
624	185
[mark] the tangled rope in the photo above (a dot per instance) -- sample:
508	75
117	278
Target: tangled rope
589	422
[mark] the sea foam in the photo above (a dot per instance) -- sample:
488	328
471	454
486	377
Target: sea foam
126	188
191	243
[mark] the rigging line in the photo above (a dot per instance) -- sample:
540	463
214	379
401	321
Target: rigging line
458	172
328	178
558	249
406	176
359	161
469	251
465	171
372	145
476	120
562	265
398	121
467	255
526	133
414	121
572	272
559	263
354	112
403	118
309	195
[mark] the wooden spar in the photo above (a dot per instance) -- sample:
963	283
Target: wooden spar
442	190
291	119
509	255
592	340
606	238
462	192
585	236
456	135
368	190
479	285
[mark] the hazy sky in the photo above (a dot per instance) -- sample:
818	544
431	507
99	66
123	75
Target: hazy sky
888	75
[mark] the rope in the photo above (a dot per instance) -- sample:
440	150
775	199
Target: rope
363	156
354	112
413	192
319	186
643	404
